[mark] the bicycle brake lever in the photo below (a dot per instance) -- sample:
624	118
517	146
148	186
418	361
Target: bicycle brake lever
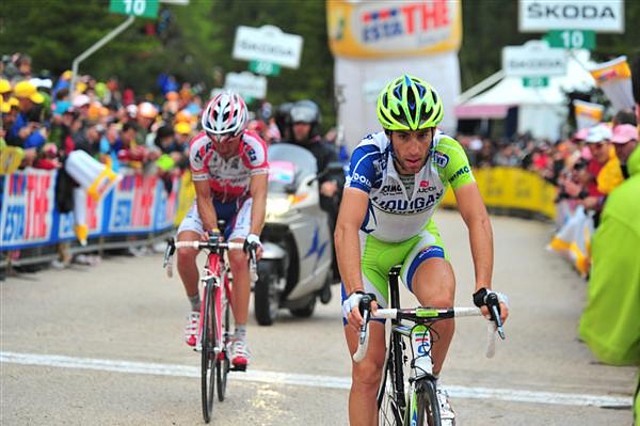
168	252
363	329
365	310
494	308
253	266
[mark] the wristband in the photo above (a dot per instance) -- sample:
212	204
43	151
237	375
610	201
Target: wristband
480	297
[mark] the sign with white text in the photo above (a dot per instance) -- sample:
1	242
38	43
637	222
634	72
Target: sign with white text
601	16
533	59
138	8
571	39
268	44
246	84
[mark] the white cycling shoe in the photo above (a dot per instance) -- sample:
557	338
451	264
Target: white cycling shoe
447	415
239	354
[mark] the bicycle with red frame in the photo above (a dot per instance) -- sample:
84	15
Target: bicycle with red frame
214	330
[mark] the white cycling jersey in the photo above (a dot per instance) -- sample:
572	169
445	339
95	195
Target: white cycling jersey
395	215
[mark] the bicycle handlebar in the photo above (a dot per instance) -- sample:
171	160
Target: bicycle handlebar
199	245
172	246
397	314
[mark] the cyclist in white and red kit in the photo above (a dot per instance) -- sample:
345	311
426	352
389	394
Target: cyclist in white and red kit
229	169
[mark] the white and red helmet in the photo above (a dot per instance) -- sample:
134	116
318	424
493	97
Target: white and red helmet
225	115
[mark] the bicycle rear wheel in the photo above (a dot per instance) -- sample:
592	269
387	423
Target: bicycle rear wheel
208	362
427	409
390	410
223	363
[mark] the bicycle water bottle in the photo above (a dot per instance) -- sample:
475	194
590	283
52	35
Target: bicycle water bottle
421	344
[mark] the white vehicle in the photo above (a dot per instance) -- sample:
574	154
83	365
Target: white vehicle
295	268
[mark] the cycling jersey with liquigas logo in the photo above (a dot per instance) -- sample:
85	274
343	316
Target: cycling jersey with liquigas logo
395	215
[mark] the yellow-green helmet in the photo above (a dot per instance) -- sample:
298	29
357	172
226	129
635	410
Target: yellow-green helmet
409	103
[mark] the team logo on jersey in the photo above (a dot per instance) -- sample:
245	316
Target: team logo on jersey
425	186
403	206
199	155
361	179
393	189
462	171
441	159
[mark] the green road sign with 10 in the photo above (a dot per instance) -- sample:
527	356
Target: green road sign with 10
138	8
264	68
572	39
535	81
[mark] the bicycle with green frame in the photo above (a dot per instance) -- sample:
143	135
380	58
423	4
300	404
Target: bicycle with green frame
407	393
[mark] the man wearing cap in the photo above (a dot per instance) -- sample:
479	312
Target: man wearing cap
10	111
598	141
183	134
625	141
27	131
145	118
5	90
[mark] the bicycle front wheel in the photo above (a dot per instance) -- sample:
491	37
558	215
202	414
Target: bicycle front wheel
208	364
222	362
425	407
389	408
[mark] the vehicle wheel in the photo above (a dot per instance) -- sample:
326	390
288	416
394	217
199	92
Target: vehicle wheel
325	293
306	311
266	293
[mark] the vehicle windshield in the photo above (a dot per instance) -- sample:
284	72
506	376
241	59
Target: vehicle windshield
288	165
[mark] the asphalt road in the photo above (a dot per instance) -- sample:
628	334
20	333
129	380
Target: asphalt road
102	345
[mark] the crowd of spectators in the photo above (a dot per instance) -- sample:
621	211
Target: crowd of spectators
150	133
585	167
44	120
42	117
145	133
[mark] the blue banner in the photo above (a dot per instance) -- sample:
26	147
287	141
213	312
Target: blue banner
29	217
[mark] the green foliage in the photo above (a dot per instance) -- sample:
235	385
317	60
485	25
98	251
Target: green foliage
196	42
314	78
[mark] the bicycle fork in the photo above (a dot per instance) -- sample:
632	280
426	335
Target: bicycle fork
212	294
421	368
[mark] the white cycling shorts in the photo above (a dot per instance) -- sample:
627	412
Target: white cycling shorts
238	220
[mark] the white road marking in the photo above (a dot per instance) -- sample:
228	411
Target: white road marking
330	382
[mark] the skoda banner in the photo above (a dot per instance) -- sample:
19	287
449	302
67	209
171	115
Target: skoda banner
601	16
